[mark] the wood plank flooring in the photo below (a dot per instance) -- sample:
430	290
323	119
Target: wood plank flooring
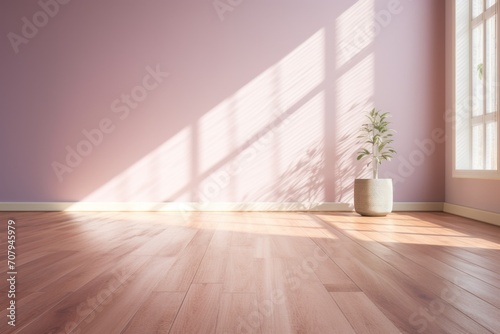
251	272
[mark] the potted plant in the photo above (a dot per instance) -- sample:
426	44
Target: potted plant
373	197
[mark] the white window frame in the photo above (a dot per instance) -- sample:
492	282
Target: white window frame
469	172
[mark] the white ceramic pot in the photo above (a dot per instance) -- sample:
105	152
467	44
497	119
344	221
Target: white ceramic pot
373	197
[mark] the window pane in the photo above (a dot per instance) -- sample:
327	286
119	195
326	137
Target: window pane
477	147
477	71
477	7
491	145
476	141
491	65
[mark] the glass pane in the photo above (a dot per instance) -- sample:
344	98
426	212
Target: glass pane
477	146
477	7
491	65
491	145
489	3
477	71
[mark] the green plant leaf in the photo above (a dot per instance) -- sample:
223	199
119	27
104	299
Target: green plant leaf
377	136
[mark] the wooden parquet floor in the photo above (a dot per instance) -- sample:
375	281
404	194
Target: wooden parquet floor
251	272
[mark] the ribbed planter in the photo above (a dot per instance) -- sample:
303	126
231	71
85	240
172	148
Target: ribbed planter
373	197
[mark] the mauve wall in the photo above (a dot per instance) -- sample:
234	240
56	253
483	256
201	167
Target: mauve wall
261	103
473	193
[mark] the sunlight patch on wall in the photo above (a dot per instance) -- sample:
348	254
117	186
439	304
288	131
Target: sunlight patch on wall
160	174
269	98
354	94
265	126
291	169
247	143
354	31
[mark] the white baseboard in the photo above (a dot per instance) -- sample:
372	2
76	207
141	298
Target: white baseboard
418	206
484	216
236	206
172	206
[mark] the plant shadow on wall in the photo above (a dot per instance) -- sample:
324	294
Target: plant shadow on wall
345	157
302	182
344	168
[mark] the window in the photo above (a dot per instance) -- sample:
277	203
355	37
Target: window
476	148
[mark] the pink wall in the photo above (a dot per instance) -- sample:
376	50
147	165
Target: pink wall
473	193
261	101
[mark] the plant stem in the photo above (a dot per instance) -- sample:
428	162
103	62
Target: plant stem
374	155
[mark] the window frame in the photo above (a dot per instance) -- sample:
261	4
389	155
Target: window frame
485	117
